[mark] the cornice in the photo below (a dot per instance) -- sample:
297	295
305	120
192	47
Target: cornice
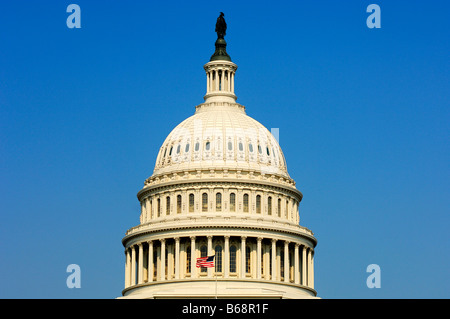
224	182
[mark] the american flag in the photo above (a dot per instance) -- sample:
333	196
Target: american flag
207	261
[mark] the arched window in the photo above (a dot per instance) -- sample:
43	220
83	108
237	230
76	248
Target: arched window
218	202
269	205
245	203
207	146
241	147
203	253
167	205
232	202
230	146
204	202
250	147
188	260
279	207
258	204
232	258
179	204
197	146
218	258
191	203
187	148
178	149
159	207
286	209
247	259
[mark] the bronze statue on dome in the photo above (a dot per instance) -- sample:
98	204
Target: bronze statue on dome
221	26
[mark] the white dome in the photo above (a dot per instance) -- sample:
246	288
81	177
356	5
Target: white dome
220	136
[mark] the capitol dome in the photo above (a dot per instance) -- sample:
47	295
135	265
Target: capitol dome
220	136
219	191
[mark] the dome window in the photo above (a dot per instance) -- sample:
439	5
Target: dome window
259	149
250	147
267	150
218	202
191	203
208	145
232	202
245	203
258	204
187	148
241	147
230	146
178	149
204	202
170	152
197	146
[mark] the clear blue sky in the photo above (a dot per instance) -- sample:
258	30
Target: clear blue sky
363	116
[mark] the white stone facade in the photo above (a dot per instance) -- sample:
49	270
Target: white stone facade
220	187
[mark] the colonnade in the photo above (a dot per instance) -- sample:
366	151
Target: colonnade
220	79
210	200
236	257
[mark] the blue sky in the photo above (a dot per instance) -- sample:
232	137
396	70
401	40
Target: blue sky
363	116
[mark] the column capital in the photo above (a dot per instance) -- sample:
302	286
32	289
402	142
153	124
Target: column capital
209	237
274	240
162	240
227	236
259	239
243	237
150	242
177	238
192	237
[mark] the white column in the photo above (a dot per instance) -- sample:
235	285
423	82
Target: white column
177	258
312	269
227	256
232	82
286	261
258	257
243	256
304	279
133	266
193	254
296	265
274	254
207	82
127	267
209	253
217	79
141	264
162	266
150	261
